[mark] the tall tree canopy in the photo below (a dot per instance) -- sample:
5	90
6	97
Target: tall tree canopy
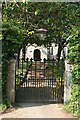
58	18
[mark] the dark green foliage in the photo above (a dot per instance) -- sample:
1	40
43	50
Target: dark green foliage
11	40
73	105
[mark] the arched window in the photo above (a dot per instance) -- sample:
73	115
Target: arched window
37	54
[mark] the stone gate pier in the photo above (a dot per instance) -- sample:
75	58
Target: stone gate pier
10	88
67	81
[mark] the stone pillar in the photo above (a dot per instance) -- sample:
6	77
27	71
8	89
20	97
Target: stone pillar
67	81
11	81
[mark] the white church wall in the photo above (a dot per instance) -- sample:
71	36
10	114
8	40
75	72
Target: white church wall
55	50
30	51
61	54
44	51
21	54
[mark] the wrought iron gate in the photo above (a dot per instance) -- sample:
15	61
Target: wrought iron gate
39	80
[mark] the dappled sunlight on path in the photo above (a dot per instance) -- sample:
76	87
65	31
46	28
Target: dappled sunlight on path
38	110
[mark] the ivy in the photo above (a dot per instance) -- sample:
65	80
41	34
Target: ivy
73	105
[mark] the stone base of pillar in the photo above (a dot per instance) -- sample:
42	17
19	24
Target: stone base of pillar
10	88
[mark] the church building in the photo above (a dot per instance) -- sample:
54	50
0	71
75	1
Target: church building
40	52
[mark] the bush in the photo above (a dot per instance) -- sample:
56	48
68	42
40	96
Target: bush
2	107
73	106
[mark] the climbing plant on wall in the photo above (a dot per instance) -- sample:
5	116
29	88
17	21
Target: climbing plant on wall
73	105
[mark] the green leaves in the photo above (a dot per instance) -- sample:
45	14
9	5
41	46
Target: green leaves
11	38
51	9
44	21
37	12
73	106
31	32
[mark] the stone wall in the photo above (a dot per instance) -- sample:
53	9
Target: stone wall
10	88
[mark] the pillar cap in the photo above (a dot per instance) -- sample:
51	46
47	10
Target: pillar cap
12	59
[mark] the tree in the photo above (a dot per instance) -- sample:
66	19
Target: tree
56	17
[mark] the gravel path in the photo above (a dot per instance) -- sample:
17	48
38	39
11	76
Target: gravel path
38	110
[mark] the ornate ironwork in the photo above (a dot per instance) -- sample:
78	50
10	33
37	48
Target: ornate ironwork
39	80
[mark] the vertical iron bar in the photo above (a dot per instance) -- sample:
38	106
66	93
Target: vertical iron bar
18	58
44	80
44	70
22	66
27	71
48	72
55	93
48	76
40	80
22	72
35	73
18	67
62	63
18	63
15	77
31	71
57	80
59	91
58	83
20	81
39	72
15	83
53	76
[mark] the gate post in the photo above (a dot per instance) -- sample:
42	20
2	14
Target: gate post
10	88
67	81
